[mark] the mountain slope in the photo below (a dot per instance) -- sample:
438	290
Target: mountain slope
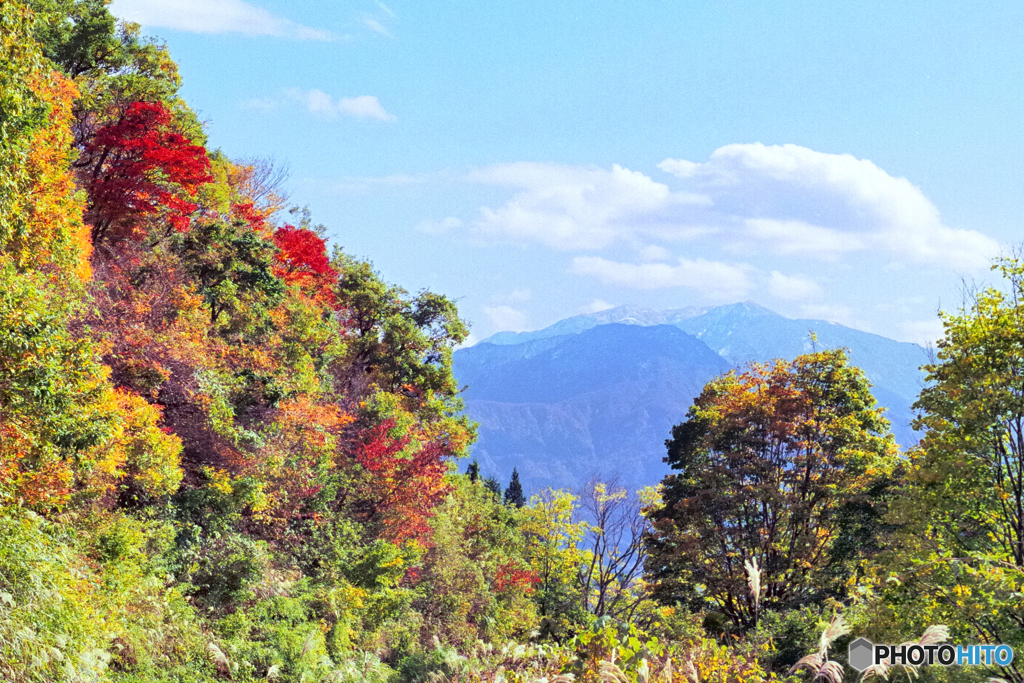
602	400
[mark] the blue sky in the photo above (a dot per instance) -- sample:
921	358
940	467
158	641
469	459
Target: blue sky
847	161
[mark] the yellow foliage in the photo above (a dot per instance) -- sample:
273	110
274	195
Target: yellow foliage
140	455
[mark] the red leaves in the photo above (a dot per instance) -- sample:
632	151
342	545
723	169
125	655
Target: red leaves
248	212
303	261
511	577
408	479
139	166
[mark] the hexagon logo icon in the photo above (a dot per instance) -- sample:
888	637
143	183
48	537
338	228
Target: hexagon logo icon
861	654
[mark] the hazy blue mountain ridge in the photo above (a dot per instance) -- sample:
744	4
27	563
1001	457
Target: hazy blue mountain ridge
625	315
599	393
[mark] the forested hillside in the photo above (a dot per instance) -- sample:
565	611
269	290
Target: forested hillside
229	452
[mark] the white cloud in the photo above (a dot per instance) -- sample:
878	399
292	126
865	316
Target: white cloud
596	306
364	107
792	287
506	318
441	227
574	207
323	105
835	313
715	279
750	199
795	200
800	238
213	16
923	332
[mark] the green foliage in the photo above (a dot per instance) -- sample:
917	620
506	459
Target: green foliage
53	392
553	536
957	554
400	343
22	112
232	267
79	36
474	583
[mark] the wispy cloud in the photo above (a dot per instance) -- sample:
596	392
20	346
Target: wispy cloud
506	318
262	104
377	22
441	227
325	106
715	279
214	16
792	287
374	25
596	306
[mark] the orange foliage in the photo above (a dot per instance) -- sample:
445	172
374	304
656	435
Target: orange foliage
299	454
45	485
56	233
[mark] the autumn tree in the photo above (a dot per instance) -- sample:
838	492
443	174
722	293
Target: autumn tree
405	463
302	260
475	582
786	465
139	166
40	217
553	536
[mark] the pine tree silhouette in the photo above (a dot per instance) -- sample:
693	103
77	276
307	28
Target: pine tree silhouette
514	492
473	471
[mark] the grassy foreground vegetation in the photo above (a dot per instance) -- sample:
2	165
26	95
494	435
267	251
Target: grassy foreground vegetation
227	453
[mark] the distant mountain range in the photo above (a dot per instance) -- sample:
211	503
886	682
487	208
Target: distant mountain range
598	394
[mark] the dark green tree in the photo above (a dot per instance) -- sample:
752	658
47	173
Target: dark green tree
473	471
514	492
400	343
233	267
79	36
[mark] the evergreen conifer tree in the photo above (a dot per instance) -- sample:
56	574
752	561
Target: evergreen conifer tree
514	492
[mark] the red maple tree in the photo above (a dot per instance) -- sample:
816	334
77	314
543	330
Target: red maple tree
407	480
138	166
302	260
